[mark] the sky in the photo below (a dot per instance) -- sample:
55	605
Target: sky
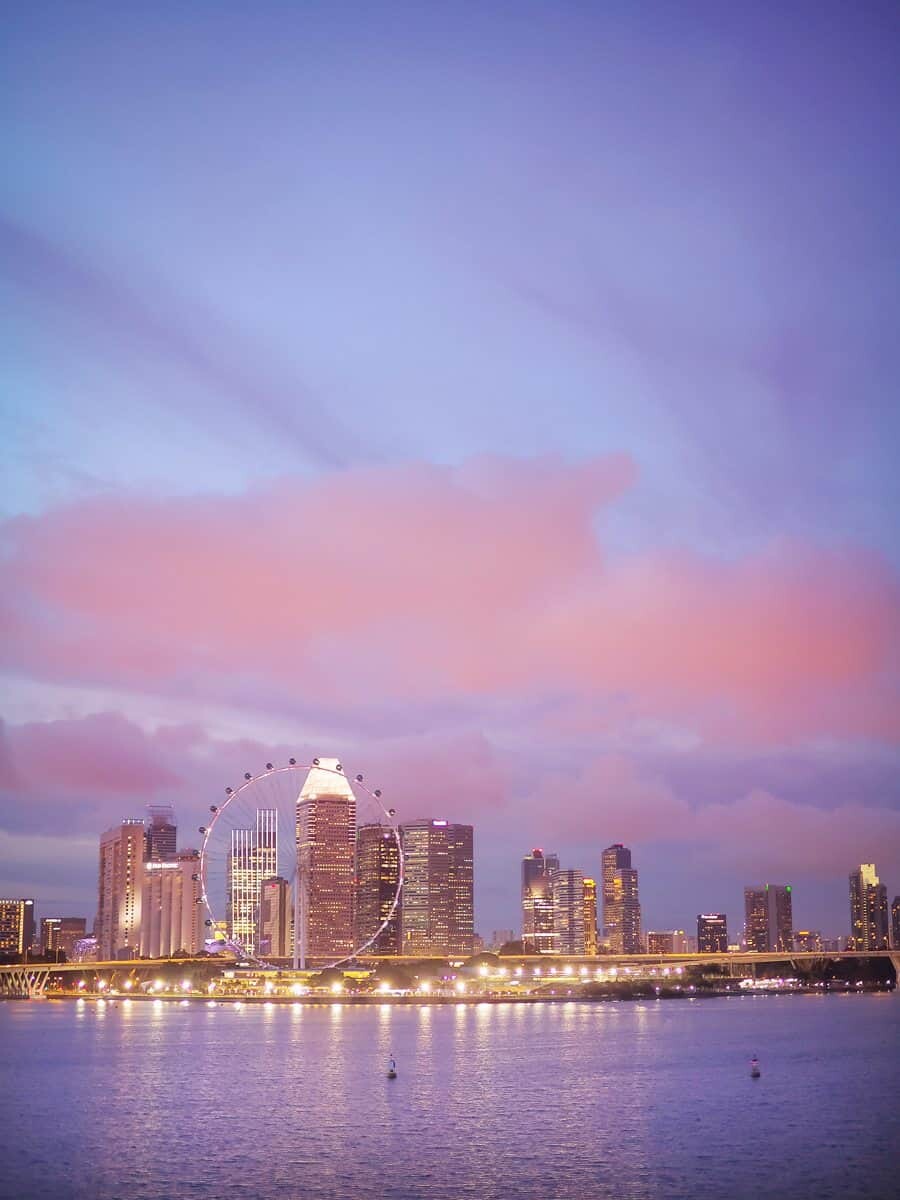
500	398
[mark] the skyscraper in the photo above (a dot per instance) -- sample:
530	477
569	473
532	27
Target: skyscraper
769	918
377	880
121	877
868	909
171	912
438	900
621	904
590	916
275	927
895	923
253	857
712	933
539	872
568	911
326	844
59	935
161	833
16	927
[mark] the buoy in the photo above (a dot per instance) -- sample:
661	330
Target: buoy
754	1068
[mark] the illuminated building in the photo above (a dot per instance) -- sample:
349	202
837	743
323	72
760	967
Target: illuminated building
121	877
16	927
171	911
59	935
868	910
808	941
275	926
660	942
437	915
621	905
568	911
326	845
538	874
252	857
161	833
589	904
712	933
895	923
377	880
769	918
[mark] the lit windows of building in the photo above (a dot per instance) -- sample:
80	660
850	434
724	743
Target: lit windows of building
171	910
621	904
120	886
868	910
59	935
808	941
568	911
252	857
275	928
539	873
160	835
377	881
437	911
712	933
660	942
326	847
756	919
591	945
16	927
895	923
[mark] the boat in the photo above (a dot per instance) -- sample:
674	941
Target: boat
392	1069
754	1068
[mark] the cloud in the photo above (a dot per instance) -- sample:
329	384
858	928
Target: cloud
427	586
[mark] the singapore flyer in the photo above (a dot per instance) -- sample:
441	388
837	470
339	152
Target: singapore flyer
301	864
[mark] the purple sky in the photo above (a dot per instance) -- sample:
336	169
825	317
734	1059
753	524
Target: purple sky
501	398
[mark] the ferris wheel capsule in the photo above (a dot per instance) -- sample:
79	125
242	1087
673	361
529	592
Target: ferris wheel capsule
268	766
292	761
247	775
202	829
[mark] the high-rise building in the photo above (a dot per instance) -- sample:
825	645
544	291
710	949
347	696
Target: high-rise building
621	906
769	918
590	916
895	923
16	927
868	910
326	847
59	935
437	915
712	933
568	911
171	908
275	927
377	881
756	919
252	857
808	941
121	878
539	871
661	941
621	903
160	834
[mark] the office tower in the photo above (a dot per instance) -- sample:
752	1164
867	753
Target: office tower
808	941
437	915
681	943
171	908
252	857
895	923
712	933
326	847
615	858
769	918
756	919
868	910
377	880
16	927
538	874
118	926
568	911
660	942
621	905
59	935
161	833
276	919
590	916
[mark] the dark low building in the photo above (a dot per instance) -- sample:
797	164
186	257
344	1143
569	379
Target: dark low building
712	933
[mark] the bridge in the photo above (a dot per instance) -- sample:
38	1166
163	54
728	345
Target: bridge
32	980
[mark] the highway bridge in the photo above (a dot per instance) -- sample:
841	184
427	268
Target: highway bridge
35	980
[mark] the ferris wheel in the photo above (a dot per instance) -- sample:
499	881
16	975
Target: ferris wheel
281	860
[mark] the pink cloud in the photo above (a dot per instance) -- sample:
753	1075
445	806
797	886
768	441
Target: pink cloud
423	585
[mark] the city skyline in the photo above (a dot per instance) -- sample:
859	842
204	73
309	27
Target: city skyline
498	402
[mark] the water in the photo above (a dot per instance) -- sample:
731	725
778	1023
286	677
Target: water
573	1100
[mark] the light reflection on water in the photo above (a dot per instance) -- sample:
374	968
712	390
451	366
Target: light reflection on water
648	1099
